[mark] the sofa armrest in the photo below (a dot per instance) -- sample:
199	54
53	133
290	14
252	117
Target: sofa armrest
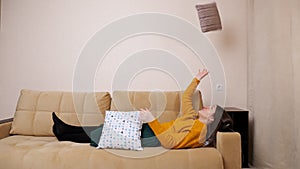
229	145
5	126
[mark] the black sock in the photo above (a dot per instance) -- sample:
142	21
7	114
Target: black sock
66	132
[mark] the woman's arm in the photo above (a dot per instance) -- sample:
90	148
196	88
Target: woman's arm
187	102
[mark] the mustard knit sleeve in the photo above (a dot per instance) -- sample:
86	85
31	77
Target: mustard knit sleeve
187	102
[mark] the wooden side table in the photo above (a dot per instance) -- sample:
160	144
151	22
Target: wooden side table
240	119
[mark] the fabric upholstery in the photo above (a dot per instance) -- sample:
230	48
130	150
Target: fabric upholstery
34	108
164	105
4	129
121	130
46	152
35	152
229	145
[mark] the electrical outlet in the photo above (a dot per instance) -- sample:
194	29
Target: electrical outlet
219	87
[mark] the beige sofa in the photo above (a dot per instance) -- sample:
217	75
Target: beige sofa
28	142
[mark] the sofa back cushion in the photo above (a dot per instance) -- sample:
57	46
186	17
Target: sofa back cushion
34	108
166	106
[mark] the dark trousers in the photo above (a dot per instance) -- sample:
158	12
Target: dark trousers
92	134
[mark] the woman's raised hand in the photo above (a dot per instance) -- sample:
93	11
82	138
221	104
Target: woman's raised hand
201	74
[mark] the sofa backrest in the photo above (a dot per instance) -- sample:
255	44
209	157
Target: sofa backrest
34	108
166	106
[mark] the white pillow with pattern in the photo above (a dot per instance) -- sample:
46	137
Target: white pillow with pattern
121	130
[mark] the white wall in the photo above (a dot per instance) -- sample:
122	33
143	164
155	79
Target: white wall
274	78
40	42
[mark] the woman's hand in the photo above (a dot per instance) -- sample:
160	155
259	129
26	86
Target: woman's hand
201	74
146	116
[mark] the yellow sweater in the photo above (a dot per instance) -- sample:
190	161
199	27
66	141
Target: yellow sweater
185	131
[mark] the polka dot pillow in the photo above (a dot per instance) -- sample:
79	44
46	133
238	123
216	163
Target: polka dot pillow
121	130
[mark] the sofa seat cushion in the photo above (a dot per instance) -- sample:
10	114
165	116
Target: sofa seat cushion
47	152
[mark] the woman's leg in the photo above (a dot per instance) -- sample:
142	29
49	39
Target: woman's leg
66	132
92	134
148	137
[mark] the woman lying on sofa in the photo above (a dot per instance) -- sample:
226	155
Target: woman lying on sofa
188	131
